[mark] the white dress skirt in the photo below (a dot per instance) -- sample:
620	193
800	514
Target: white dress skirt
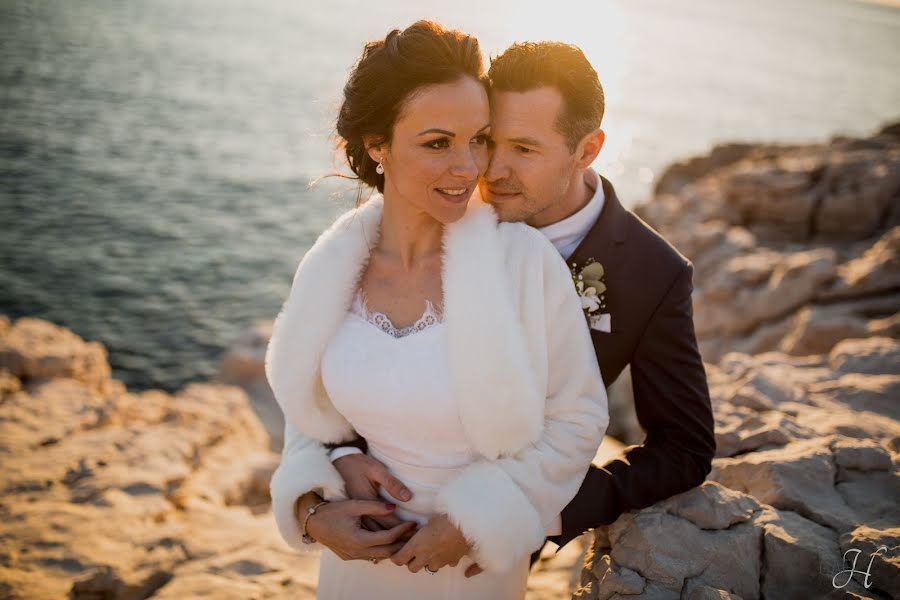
393	386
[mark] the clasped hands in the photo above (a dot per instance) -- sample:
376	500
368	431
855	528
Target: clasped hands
365	527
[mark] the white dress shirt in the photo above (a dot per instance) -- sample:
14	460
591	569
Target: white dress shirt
567	234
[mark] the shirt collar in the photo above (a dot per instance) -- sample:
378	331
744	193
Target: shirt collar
567	233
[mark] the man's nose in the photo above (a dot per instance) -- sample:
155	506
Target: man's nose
497	167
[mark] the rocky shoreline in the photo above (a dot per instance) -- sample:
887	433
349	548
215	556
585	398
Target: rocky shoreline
797	308
114	494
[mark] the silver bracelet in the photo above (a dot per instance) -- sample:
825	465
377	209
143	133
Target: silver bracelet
308	539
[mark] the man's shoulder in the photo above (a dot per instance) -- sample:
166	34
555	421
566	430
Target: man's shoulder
646	245
635	240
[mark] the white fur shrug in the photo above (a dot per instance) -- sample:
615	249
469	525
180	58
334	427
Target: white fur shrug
531	398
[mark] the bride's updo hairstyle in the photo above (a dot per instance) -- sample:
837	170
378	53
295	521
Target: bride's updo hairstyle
385	77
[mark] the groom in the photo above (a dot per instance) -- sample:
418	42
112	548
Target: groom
546	108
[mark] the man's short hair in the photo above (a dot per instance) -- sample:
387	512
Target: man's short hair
529	65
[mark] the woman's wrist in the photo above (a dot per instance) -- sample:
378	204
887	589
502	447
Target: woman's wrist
313	520
304	503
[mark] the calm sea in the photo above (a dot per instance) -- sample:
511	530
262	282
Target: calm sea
155	155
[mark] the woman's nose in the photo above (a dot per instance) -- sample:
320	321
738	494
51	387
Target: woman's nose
465	164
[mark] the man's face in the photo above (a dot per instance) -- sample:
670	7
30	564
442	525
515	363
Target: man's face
531	167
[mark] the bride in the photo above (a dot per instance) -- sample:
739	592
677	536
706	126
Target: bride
456	345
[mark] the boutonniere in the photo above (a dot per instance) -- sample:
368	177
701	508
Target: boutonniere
589	283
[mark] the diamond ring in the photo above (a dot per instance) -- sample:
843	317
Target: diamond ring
430	572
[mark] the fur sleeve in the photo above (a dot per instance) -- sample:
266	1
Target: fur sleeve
503	506
305	467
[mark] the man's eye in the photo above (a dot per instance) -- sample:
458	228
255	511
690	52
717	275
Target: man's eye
438	144
523	149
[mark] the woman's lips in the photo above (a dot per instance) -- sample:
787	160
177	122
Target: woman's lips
455	194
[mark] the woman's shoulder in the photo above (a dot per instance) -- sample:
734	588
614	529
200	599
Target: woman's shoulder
532	257
361	215
353	225
528	243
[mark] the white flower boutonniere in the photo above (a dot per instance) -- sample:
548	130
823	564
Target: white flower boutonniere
592	290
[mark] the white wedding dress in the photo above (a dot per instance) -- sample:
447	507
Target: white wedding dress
393	385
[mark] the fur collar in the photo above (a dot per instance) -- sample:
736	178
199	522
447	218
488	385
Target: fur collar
500	406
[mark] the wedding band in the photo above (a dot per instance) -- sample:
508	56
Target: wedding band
430	572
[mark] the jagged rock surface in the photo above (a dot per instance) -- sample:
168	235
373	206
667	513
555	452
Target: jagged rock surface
795	248
797	308
118	495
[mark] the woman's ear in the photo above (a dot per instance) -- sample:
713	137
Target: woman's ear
375	148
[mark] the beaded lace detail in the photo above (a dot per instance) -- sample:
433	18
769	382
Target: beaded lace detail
430	317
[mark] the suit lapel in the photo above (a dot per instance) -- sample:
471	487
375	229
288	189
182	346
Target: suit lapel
604	243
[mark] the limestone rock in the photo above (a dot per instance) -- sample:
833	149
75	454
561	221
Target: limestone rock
768	289
111	494
801	558
9	383
880	549
686	171
758	224
712	506
805	456
32	349
860	455
872	356
876	270
674	554
798	477
611	582
705	592
816	329
773	196
859	194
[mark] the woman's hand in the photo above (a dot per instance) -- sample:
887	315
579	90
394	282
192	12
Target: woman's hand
436	545
362	476
338	525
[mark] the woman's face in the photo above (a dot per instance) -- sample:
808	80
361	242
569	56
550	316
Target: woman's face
439	149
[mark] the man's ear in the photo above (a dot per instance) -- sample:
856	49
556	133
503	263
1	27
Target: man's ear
588	148
375	147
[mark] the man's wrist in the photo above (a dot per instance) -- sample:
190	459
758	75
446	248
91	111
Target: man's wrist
342	451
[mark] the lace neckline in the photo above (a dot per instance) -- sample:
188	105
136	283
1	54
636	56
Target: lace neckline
430	317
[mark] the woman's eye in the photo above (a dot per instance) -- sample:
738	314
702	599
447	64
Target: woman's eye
482	140
438	144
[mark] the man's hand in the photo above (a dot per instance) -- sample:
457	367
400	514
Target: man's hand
338	526
437	544
362	475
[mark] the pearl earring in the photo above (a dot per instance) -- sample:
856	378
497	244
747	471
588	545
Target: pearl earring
380	168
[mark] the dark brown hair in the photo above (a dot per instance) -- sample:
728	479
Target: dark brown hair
387	74
530	65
